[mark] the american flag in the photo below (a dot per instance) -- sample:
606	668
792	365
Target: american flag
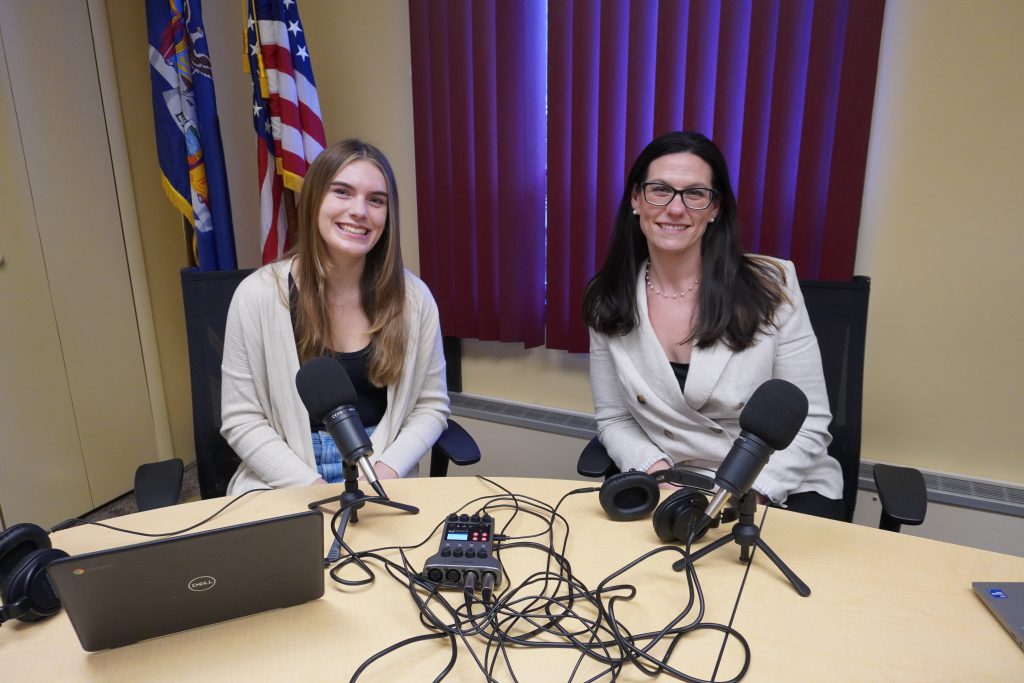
285	110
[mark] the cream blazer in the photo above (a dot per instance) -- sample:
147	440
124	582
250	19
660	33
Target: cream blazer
642	416
265	421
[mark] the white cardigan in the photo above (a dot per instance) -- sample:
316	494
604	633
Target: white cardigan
265	421
643	417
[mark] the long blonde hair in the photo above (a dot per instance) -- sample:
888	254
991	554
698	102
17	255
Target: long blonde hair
382	285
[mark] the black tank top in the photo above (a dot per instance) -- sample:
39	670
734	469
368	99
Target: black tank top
371	401
680	370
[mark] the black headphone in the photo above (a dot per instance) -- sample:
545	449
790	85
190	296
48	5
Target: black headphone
631	495
25	587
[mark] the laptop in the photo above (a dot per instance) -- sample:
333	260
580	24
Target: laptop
1006	600
124	595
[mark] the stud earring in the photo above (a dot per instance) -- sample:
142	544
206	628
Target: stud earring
635	212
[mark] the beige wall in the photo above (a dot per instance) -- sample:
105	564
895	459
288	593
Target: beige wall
163	244
943	375
942	240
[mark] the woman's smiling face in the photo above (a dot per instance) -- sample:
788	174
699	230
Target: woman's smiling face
674	228
354	212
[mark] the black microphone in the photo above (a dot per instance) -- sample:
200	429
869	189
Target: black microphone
328	394
769	422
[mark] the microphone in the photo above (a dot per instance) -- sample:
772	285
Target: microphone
768	423
328	394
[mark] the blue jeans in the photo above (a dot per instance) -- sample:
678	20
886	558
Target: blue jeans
328	458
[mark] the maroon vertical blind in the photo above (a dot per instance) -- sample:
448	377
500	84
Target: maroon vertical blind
784	87
478	93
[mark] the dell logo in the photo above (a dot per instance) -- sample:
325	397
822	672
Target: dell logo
202	583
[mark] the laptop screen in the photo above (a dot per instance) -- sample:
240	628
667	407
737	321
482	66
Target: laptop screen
124	595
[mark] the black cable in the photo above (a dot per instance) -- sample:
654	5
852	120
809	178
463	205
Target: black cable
78	521
549	608
739	594
408	641
353	557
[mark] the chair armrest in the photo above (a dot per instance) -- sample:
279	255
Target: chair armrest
454	445
903	496
595	462
158	484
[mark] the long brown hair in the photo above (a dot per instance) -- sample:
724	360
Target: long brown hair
382	285
739	292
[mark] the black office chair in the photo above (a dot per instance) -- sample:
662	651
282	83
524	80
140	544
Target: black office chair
158	484
207	296
839	316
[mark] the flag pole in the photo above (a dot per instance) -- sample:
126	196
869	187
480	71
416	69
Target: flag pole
189	234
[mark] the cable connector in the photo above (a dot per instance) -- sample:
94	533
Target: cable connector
488	586
589	489
469	582
66	524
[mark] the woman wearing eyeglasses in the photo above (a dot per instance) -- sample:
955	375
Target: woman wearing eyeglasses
684	326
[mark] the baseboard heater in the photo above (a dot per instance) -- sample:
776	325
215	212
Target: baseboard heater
975	494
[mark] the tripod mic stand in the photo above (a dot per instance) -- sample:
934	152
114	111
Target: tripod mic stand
747	534
351	500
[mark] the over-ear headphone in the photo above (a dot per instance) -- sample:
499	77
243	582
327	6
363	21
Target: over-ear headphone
631	495
28	595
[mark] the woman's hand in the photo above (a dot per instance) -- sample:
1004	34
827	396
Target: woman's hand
658	466
380	469
383	471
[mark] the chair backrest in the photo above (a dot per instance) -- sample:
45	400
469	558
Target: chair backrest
207	296
839	316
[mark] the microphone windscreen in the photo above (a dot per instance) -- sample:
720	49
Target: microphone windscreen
775	413
324	385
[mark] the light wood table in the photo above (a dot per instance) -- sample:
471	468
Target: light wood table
884	606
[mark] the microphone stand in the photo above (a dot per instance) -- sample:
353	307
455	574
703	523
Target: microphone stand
351	500
747	534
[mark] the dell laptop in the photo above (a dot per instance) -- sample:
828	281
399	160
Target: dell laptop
1006	600
124	595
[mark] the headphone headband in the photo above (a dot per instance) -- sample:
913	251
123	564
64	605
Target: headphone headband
689	476
14	610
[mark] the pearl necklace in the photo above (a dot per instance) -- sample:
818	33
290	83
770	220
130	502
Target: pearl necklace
663	295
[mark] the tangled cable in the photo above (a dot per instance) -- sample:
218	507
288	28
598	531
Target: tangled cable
550	608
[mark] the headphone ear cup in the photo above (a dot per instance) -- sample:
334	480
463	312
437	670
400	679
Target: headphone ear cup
676	516
17	542
29	580
629	495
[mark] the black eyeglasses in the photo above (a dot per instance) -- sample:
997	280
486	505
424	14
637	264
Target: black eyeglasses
695	198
